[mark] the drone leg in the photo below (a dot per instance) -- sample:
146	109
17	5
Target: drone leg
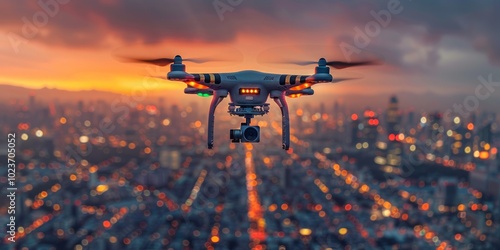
216	99
285	120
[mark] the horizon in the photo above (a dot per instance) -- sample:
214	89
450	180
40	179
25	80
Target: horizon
408	101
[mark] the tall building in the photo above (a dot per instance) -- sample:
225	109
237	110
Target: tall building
336	111
393	118
483	143
411	119
446	194
369	128
436	128
459	141
485	134
32	103
161	106
355	131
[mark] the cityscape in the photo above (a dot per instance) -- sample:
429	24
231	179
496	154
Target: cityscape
93	175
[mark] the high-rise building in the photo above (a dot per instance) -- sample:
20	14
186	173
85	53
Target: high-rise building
336	111
459	142
446	194
370	126
436	128
483	143
161	106
355	131
393	117
411	119
485	134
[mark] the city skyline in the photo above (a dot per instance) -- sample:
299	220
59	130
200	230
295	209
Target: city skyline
366	179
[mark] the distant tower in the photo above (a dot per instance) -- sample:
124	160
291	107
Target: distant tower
175	121
161	106
473	118
48	149
322	109
32	102
336	112
94	181
485	134
482	144
393	118
436	128
446	194
354	129
411	119
80	105
370	125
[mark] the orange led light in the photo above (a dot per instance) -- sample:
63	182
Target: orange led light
196	85
253	91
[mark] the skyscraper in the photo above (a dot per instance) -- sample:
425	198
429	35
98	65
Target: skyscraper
393	118
354	129
370	125
435	126
446	194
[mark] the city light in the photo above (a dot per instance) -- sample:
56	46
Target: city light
470	126
39	133
165	122
305	231
145	167
84	139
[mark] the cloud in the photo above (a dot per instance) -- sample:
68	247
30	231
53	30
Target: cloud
98	23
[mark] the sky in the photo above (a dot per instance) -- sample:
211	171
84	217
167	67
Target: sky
425	46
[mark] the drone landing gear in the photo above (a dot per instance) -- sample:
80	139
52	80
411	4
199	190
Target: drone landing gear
285	119
217	98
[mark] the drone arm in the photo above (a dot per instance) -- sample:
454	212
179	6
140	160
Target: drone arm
217	98
285	118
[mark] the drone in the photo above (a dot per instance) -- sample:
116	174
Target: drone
249	90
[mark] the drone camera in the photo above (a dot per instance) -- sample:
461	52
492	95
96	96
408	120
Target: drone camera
235	135
245	134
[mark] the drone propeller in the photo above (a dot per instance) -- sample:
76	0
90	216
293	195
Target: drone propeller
341	79
164	61
334	64
191	84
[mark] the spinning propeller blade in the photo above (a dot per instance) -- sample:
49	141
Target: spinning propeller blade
163	61
336	64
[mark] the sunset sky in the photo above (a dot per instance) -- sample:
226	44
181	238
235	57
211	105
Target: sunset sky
439	46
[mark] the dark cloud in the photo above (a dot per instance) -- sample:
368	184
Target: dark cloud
91	23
